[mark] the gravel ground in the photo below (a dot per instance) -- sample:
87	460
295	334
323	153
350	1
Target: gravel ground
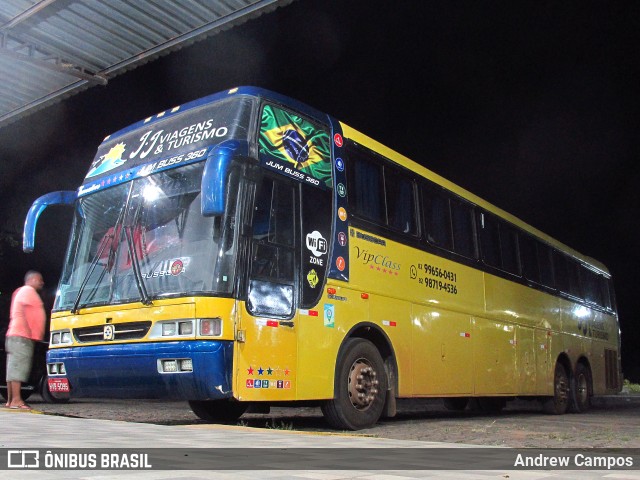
521	424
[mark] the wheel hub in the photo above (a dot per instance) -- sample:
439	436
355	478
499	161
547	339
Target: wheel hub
363	384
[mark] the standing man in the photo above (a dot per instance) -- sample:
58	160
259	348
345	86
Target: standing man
26	326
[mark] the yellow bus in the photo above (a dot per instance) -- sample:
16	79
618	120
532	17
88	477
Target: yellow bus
247	250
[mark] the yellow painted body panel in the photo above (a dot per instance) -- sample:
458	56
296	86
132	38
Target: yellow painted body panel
267	355
454	330
169	309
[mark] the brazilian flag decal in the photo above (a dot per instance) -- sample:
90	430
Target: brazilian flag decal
289	139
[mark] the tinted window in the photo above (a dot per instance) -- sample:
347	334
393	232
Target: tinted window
574	278
437	219
591	286
545	265
561	272
529	258
401	209
366	192
463	231
509	249
490	240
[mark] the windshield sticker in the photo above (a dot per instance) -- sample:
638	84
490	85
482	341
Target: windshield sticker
293	146
173	267
108	161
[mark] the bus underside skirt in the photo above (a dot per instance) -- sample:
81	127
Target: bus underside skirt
133	370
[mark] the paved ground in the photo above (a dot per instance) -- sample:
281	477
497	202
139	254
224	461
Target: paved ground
613	422
252	447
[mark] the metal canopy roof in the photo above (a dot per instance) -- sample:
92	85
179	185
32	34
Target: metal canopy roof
50	49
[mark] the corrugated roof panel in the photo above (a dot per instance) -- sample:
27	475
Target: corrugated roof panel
51	48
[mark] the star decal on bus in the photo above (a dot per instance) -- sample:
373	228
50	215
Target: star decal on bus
250	370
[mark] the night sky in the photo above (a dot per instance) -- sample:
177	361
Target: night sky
533	106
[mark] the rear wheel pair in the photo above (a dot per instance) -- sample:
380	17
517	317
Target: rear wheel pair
568	397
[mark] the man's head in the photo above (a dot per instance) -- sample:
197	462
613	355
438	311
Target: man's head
34	279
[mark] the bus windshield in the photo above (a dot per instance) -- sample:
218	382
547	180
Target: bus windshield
147	239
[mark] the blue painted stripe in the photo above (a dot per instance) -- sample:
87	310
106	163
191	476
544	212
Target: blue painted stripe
131	371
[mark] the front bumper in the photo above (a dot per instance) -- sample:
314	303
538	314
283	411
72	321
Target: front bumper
131	370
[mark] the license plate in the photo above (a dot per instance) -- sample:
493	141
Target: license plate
58	384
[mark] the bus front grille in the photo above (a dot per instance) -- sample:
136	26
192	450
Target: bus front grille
112	331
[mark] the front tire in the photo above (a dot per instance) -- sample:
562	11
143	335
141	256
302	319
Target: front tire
218	411
559	403
360	387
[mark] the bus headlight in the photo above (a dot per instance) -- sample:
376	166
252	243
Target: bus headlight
173	328
168	329
60	337
185	328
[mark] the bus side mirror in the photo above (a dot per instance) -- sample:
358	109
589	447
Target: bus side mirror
65	197
214	178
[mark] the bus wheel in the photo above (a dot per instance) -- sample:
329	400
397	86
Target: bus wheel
456	404
218	411
582	395
559	403
360	387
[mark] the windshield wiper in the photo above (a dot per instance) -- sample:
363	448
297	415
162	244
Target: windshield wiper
108	240
136	267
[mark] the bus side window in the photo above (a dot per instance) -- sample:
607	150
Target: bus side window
490	240
509	249
591	286
529	258
401	207
561	271
463	229
272	253
545	266
366	187
437	219
606	293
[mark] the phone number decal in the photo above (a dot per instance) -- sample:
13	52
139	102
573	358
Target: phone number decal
435	278
439	285
438	272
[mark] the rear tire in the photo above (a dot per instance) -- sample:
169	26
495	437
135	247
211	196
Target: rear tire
218	411
559	403
581	401
360	387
